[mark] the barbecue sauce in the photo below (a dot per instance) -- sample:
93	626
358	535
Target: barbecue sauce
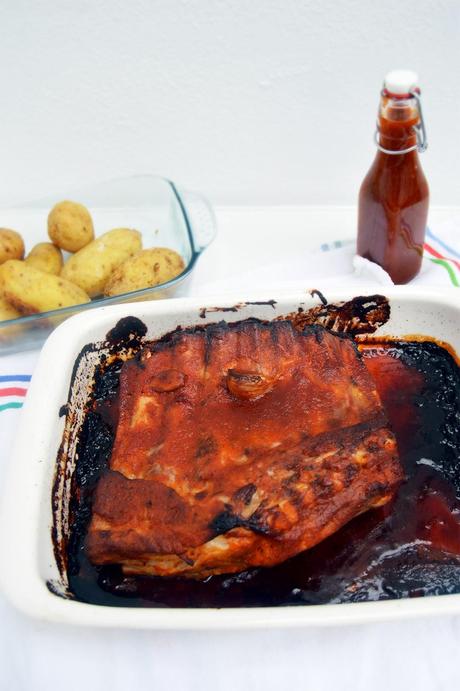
408	548
393	199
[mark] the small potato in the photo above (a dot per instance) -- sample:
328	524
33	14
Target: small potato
11	245
70	226
148	268
46	257
6	311
29	290
91	267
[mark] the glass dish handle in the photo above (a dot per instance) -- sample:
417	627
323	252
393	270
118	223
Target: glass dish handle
202	219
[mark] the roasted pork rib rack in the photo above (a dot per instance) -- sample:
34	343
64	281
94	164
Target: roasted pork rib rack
239	445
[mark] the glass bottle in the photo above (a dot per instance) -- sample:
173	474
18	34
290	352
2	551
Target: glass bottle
394	195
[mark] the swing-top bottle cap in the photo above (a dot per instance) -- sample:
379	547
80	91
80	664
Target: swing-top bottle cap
400	82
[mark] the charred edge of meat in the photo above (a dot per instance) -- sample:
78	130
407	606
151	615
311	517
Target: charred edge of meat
362	314
218	329
228	520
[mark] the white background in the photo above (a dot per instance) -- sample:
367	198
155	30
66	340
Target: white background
249	101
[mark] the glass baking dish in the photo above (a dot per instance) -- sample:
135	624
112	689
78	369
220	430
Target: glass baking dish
165	215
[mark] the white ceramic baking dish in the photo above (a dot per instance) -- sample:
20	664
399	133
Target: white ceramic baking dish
26	548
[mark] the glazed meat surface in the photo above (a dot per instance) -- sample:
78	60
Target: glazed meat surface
239	445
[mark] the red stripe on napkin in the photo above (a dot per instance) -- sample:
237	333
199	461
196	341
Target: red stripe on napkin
13	391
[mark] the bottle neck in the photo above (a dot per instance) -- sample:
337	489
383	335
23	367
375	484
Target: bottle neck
396	120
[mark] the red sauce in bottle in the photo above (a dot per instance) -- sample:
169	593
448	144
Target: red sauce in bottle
393	199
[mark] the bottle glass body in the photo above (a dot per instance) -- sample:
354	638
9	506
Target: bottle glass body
394	195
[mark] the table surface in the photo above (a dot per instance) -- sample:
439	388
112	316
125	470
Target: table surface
417	654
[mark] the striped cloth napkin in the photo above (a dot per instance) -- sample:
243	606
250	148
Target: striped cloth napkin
441	261
13	388
333	264
444	255
15	375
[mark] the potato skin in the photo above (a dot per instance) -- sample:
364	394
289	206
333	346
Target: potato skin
30	291
91	267
148	268
46	257
70	226
11	245
6	311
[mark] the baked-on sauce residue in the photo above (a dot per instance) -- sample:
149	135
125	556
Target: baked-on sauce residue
408	548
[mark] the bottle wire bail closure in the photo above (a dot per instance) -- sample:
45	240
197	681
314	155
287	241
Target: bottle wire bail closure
421	144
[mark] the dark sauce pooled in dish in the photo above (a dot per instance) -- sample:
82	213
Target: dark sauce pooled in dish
408	548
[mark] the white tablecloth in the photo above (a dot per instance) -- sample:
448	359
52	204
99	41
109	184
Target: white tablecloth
420	654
